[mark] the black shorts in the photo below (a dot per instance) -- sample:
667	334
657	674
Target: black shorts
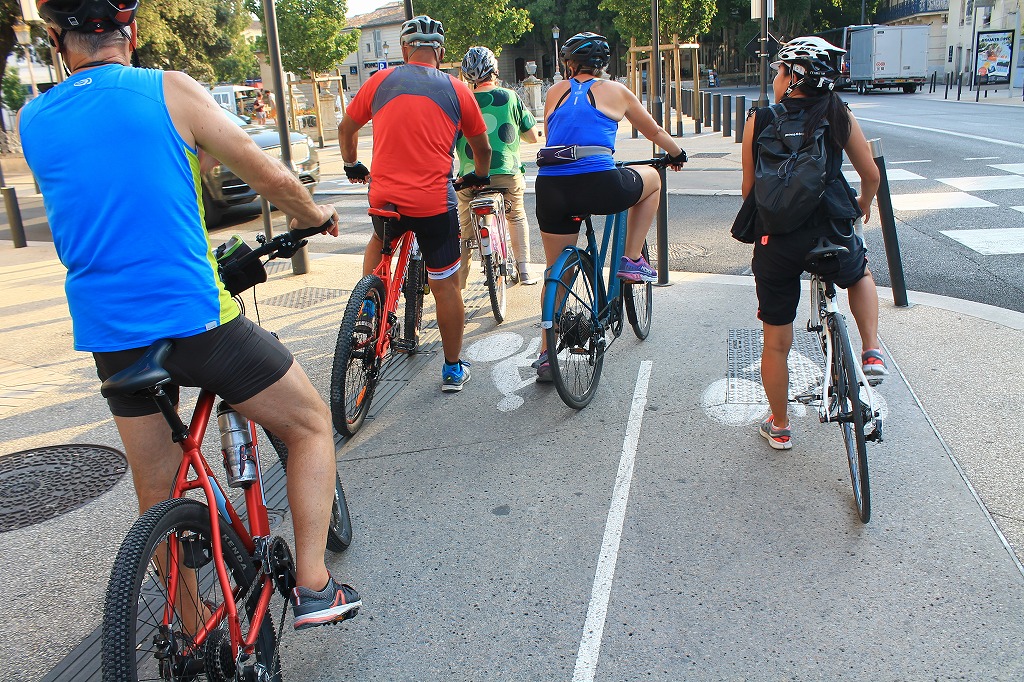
236	361
778	263
559	197
438	237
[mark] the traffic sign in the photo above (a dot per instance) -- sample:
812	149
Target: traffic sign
754	46
381	65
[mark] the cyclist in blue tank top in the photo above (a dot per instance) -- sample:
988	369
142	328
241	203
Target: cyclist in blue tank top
140	266
585	111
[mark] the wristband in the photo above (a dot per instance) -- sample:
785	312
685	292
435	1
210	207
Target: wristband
351	164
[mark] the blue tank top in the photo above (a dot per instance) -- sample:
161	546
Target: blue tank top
122	195
577	121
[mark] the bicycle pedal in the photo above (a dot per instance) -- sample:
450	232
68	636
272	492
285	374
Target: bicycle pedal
874	380
404	345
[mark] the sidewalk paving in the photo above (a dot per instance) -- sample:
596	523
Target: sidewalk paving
736	562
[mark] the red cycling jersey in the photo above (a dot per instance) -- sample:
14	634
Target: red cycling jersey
417	112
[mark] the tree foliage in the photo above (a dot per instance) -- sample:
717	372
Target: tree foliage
469	22
13	91
686	18
199	37
311	34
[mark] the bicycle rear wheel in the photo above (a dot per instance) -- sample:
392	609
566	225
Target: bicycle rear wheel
356	365
851	414
415	282
496	285
638	299
136	645
575	343
339	533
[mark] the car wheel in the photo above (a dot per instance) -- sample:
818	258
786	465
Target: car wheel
213	212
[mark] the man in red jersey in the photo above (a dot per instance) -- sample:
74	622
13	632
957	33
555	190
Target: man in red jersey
417	113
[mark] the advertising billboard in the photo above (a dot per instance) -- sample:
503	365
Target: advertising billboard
994	50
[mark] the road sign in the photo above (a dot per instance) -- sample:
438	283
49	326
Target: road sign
752	48
381	65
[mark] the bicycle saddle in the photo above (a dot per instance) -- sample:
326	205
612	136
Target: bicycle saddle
147	372
388	212
825	248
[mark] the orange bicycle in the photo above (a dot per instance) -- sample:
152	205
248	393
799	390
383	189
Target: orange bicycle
371	330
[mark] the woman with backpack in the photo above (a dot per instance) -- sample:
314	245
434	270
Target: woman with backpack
805	76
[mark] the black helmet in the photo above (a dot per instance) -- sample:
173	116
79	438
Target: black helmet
423	31
589	49
92	16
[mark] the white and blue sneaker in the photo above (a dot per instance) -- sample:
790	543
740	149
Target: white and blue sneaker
454	376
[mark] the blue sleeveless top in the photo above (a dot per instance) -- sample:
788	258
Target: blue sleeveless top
577	121
122	195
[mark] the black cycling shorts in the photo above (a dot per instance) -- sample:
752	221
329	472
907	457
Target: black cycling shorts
236	361
778	263
559	197
438	237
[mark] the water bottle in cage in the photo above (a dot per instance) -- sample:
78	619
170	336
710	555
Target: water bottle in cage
236	446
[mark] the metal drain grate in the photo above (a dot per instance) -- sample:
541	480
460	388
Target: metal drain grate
679	254
306	297
39	484
708	155
744	365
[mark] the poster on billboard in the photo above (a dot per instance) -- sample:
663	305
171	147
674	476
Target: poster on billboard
994	50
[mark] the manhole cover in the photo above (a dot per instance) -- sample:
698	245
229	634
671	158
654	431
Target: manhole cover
306	297
680	253
744	365
39	484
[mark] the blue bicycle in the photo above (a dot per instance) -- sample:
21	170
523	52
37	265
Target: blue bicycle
580	309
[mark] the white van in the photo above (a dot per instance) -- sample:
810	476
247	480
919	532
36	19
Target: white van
235	98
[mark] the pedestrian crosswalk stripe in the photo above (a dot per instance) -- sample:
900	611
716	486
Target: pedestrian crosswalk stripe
985	182
936	200
1008	167
994	242
1018	208
892	174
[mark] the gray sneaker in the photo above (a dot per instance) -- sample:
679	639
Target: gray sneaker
780	439
334	604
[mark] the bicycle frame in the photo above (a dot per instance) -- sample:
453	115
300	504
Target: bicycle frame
190	440
487	218
392	279
613	245
824	306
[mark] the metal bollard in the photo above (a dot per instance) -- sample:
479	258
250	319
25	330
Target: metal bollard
741	116
268	227
959	85
726	115
14	217
716	112
935	75
707	109
888	221
946	96
663	232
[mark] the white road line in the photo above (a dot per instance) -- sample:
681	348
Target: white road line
1018	208
985	182
894	163
980	158
992	242
891	174
990	140
1008	167
593	630
936	200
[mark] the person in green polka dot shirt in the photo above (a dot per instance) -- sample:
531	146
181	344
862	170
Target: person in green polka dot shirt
508	121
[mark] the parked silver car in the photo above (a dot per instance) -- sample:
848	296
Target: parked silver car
222	188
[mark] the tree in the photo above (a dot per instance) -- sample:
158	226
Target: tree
13	91
9	11
312	34
686	18
469	22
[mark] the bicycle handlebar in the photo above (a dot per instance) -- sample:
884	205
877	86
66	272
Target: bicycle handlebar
283	245
658	162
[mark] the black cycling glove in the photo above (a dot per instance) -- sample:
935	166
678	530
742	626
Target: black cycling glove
678	159
357	171
472	180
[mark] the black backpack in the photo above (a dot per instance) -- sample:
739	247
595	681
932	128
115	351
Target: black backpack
790	174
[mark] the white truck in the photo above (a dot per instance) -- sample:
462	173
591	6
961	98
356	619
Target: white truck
889	57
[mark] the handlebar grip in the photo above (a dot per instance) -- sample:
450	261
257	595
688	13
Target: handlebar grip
304	232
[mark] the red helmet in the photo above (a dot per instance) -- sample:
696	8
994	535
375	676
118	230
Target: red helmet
91	16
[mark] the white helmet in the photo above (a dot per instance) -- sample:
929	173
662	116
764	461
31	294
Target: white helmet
812	58
422	31
479	63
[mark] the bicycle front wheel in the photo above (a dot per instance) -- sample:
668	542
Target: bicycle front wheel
137	644
354	375
339	533
575	341
495	285
851	414
415	282
638	298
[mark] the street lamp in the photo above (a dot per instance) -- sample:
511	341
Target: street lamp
385	46
554	34
23	34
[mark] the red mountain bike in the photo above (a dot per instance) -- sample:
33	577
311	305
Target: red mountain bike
370	329
190	590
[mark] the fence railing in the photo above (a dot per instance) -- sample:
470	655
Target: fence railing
910	8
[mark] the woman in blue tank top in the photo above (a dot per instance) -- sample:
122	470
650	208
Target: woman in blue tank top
585	111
